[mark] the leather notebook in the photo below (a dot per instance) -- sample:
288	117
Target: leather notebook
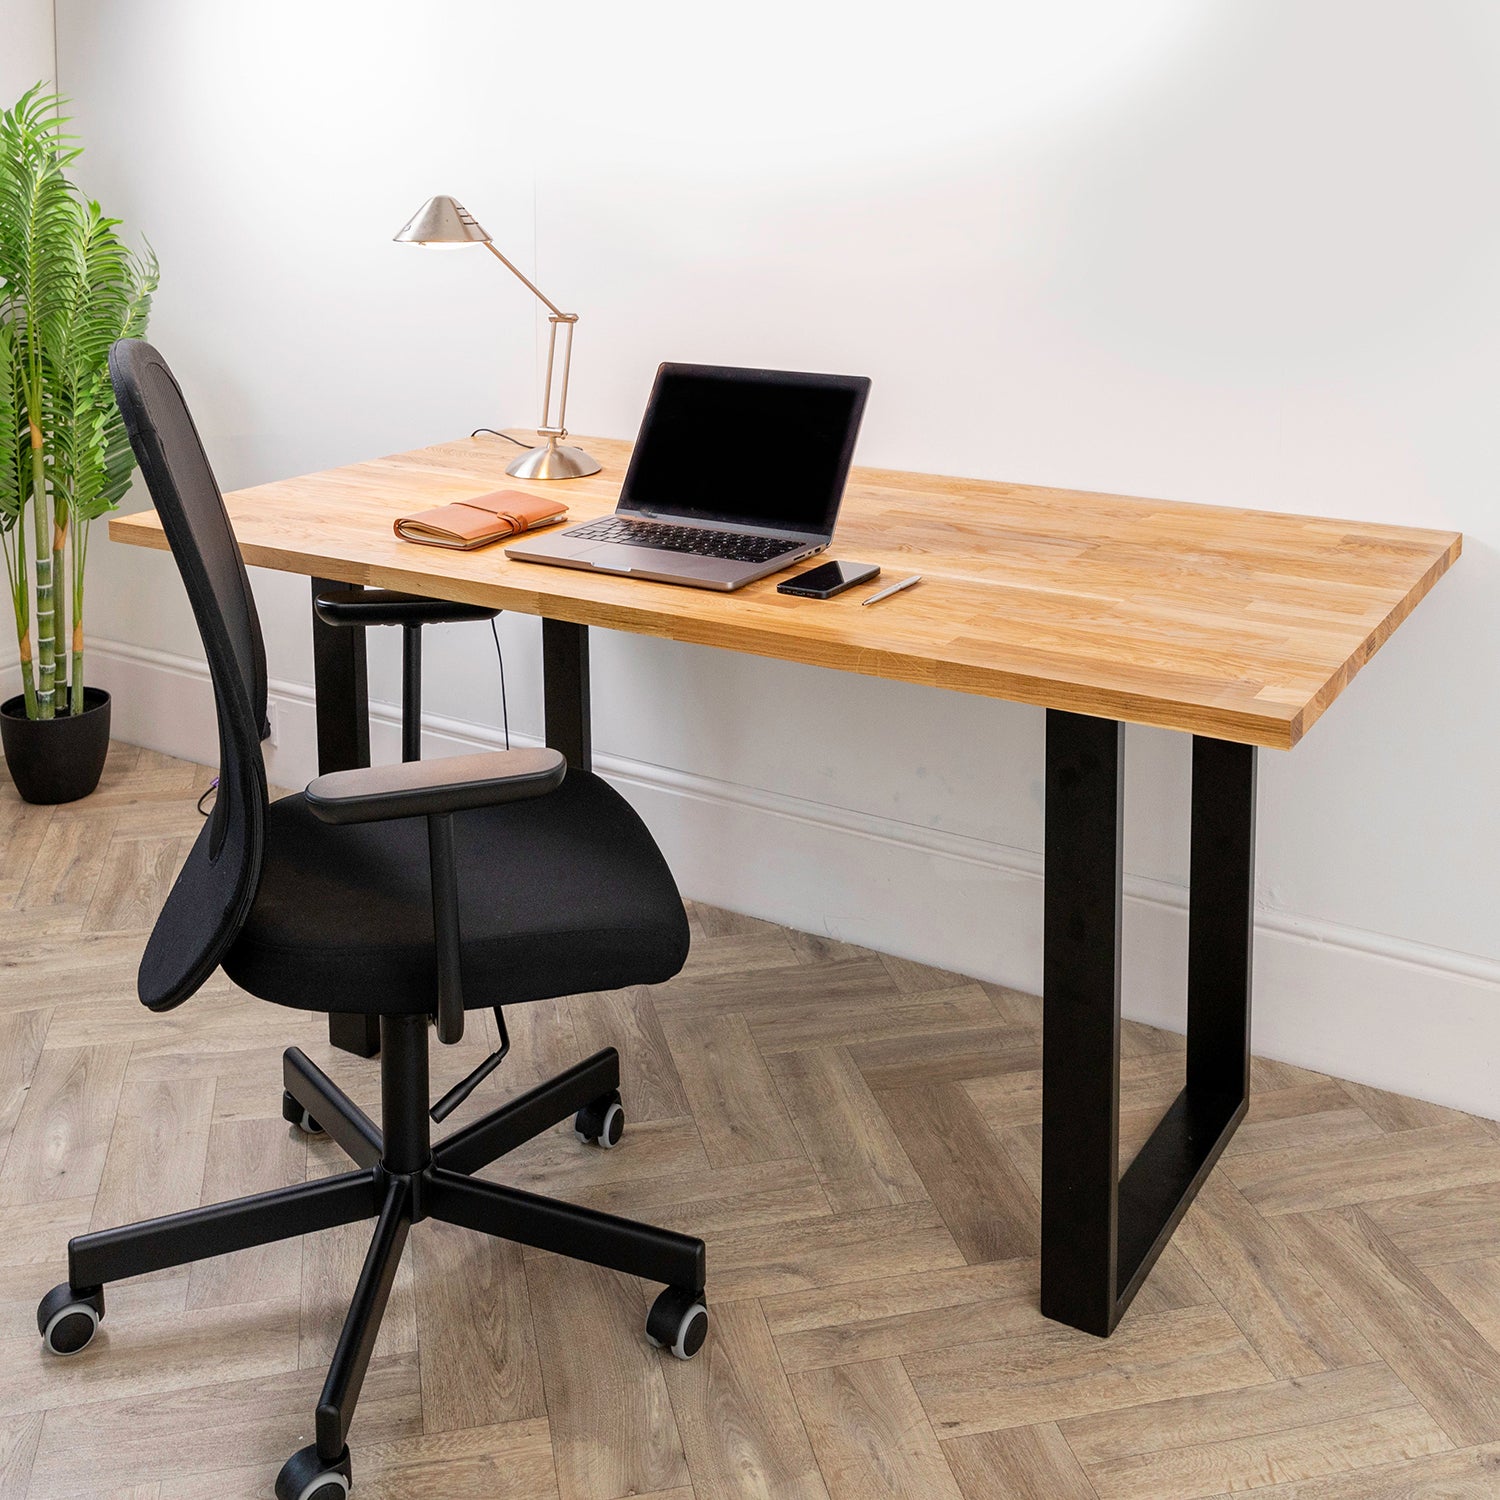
467	524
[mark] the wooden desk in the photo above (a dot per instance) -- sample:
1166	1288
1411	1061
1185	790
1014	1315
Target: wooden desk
1238	627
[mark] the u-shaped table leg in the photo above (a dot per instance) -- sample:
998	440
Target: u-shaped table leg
1101	1231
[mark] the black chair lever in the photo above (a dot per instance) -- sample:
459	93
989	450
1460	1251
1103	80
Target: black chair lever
461	1091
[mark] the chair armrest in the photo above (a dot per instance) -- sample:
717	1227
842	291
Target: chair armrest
366	607
433	788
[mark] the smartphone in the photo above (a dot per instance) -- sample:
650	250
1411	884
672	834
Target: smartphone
829	579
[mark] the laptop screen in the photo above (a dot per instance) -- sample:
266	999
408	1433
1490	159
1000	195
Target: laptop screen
750	447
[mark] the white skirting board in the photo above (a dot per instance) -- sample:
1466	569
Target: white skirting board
1362	1005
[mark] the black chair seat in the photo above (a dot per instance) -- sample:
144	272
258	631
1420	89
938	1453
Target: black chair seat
561	895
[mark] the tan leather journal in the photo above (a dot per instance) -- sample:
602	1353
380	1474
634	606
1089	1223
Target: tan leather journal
467	524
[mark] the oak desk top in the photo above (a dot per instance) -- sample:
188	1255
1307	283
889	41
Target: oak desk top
1243	625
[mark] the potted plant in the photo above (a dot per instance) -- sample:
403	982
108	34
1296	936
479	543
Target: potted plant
68	289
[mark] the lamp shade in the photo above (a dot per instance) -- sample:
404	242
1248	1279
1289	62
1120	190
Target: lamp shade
442	221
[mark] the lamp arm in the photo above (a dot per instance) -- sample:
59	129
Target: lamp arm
525	280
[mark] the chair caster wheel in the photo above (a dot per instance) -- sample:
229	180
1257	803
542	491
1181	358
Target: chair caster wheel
294	1114
678	1321
601	1123
305	1476
68	1320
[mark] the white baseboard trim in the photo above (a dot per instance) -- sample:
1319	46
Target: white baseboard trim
1363	1005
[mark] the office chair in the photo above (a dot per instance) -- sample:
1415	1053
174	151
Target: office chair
404	891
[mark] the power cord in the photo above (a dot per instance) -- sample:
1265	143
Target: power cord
495	432
504	706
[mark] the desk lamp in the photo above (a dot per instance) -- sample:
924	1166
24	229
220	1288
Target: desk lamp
445	221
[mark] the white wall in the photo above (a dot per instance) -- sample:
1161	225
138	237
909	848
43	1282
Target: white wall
27	56
1237	251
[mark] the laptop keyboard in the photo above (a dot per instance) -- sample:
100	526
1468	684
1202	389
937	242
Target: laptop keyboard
699	541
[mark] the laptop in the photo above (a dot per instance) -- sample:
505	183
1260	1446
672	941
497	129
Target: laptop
736	474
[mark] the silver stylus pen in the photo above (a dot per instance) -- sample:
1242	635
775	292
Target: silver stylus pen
895	588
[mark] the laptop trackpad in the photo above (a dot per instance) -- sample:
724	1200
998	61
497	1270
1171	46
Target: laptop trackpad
559	545
610	557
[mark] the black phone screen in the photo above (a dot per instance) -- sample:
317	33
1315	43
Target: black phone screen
829	579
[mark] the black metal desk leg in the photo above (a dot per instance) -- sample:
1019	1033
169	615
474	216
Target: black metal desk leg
341	689
341	694
1081	1019
1101	1232
1221	917
565	691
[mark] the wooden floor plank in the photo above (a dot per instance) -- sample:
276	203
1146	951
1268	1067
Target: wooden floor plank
1237	1440
1310	1129
712	1202
1251	1462
40	1234
552	1164
133	883
870	1434
1396	1111
68	862
908	1240
901	1315
23	826
22	1034
825	1023
602	1376
913	978
1298	1180
842	1130
772	989
61	1137
740	1427
1058	1372
140	1358
1451	1224
947	1056
211	1425
511	1458
157	1152
1278	1301
987	1205
739	1114
1473	1287
627	1021
1473	1474
1020	1463
1221	1416
1407	1320
18	1439
478	1347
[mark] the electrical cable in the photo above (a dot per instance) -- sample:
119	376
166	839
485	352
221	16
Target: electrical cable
495	432
504	706
212	787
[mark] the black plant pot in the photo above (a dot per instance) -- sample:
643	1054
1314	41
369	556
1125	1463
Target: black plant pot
56	760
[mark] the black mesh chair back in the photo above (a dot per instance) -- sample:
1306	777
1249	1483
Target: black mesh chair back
211	899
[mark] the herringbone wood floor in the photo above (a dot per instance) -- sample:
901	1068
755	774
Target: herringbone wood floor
855	1136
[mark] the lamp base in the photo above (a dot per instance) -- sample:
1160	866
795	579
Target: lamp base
553	460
